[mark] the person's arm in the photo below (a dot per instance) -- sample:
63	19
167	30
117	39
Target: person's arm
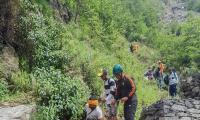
100	114
132	86
117	93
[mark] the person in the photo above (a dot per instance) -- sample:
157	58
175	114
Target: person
92	110
173	80
134	47
158	78
161	67
110	88
126	92
149	74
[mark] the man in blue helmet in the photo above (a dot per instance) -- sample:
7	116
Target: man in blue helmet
126	92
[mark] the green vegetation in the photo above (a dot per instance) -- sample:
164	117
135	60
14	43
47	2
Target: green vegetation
193	5
21	81
3	89
60	57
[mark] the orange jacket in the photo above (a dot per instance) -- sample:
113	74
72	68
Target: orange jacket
161	66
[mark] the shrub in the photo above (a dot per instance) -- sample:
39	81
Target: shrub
21	81
66	95
3	88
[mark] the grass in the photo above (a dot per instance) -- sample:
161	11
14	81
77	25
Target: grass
18	98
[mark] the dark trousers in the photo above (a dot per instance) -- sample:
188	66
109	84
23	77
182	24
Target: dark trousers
172	90
130	108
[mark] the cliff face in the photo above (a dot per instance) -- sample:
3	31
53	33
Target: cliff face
8	26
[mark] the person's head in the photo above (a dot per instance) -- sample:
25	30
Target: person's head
149	68
103	74
172	70
117	71
159	62
93	102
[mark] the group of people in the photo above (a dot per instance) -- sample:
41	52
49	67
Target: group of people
123	90
163	76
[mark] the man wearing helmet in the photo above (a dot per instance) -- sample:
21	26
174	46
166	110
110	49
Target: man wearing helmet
110	88
126	92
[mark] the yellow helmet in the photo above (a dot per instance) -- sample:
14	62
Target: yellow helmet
102	72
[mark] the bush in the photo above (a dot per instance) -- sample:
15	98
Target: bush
66	96
21	81
45	113
3	88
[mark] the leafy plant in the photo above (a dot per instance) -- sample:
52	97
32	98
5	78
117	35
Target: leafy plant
63	95
3	88
21	81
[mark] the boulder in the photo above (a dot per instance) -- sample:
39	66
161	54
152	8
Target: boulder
19	112
178	110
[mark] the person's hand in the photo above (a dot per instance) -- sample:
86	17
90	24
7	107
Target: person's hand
113	101
124	99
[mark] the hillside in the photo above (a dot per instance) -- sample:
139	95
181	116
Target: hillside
52	50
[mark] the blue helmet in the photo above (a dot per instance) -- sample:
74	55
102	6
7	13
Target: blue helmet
117	69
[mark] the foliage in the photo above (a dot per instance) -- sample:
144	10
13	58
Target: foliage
180	50
64	96
3	89
193	5
66	57
21	81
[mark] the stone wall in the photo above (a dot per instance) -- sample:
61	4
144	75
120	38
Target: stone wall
186	109
190	87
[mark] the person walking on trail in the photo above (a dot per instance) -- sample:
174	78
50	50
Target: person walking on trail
158	78
92	109
110	88
173	80
126	92
149	74
161	67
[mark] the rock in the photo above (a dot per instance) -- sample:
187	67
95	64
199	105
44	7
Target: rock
196	115
196	90
176	111
20	112
190	87
179	108
188	104
61	11
9	62
193	110
182	114
185	118
196	102
197	107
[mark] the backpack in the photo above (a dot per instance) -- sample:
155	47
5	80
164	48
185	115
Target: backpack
156	73
166	79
